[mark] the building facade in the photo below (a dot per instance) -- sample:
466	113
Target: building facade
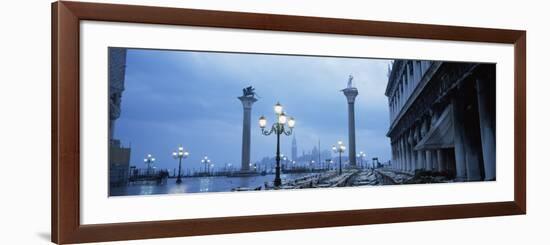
119	156
442	118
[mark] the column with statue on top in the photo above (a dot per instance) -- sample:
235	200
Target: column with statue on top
351	92
247	99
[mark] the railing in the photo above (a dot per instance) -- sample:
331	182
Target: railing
147	175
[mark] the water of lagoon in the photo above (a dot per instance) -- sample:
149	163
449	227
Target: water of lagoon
198	185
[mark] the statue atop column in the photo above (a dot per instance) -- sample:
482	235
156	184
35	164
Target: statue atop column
350	79
249	92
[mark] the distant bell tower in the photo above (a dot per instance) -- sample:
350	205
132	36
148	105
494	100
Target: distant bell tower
294	149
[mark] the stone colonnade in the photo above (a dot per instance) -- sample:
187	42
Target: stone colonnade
471	154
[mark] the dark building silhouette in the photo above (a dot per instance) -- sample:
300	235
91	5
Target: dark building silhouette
119	156
442	118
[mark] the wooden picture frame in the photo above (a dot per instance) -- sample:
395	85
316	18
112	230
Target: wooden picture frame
65	170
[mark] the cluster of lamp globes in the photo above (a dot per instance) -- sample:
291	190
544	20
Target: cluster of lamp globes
180	153
149	159
339	148
206	161
282	118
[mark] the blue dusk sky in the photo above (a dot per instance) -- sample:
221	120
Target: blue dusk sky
188	98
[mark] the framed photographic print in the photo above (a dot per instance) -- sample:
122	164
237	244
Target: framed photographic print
177	122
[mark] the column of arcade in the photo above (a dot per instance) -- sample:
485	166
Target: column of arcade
408	159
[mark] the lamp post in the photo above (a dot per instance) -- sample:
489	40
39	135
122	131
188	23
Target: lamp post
328	161
360	156
340	148
180	154
278	128
149	159
206	163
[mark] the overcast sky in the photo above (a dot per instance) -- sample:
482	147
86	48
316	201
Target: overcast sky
190	98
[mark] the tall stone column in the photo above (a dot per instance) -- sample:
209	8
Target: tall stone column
419	153
247	102
407	152
399	159
440	161
429	161
459	134
398	166
472	142
403	161
473	159
393	156
487	128
350	93
426	153
411	151
420	159
399	154
396	153
403	153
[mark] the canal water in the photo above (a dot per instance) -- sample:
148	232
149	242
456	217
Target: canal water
198	184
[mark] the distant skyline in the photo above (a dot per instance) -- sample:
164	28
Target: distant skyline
190	98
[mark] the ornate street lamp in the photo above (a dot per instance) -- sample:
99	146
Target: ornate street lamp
278	128
360	156
149	159
206	163
340	148
180	154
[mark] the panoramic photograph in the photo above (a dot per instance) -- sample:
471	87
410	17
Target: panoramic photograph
203	121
